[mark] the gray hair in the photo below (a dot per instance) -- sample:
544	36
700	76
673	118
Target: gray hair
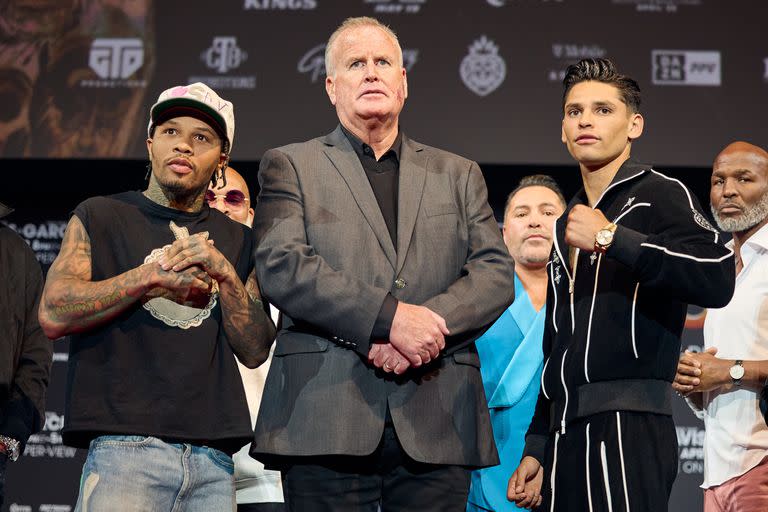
349	23
535	180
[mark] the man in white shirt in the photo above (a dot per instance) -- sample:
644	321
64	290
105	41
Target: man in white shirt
257	489
723	383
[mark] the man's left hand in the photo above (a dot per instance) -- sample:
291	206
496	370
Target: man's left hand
387	357
197	250
701	371
582	226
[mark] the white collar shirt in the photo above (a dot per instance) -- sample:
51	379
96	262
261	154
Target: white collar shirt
736	438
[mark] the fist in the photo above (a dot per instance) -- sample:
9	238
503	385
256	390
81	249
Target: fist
582	226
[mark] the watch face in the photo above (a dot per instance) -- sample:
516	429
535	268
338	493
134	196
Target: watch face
604	236
736	371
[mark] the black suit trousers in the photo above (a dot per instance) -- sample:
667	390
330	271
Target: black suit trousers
388	478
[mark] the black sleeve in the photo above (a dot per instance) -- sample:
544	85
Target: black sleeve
538	430
682	255
25	410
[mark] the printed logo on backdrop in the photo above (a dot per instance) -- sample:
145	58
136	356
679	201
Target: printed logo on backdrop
48	443
15	507
684	67
690	442
765	69
115	61
659	5
312	63
483	70
502	3
396	6
222	56
280	5
44	238
565	54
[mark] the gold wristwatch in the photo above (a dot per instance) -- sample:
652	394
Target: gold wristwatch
604	238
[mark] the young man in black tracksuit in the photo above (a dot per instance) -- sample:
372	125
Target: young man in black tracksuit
630	252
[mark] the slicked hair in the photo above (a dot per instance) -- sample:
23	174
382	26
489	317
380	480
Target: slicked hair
360	21
535	180
603	70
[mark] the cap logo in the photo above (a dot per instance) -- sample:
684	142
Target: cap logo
178	91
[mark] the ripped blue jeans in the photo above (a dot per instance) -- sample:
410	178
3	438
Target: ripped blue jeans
146	474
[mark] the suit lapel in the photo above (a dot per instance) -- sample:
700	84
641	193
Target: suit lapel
340	153
413	162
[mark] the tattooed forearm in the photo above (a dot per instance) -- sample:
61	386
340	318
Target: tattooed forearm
249	329
71	305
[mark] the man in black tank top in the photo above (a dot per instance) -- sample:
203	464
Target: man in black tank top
158	293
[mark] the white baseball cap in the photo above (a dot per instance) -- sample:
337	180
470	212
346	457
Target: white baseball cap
195	100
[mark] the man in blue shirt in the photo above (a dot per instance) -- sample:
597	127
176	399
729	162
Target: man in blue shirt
510	351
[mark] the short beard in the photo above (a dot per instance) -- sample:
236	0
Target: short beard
752	216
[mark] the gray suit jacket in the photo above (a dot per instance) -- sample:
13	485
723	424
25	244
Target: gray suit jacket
325	258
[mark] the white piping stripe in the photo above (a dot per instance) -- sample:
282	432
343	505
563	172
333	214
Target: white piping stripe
617	219
688	256
554	294
591	310
617	183
565	388
605	476
621	458
563	261
543	372
690	201
554	472
634	303
589	483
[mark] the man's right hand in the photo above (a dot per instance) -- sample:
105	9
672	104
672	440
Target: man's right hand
524	487
418	333
190	287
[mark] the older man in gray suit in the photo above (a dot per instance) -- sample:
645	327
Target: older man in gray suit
387	262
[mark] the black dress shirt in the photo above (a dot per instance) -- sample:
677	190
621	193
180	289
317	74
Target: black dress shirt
384	176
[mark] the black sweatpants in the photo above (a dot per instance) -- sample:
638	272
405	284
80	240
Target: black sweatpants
611	461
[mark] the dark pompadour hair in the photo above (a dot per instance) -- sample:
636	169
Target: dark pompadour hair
603	70
535	180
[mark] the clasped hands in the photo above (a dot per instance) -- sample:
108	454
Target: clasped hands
416	337
700	371
188	270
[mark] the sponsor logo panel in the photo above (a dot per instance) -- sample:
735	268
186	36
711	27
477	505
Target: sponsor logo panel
224	55
48	442
280	5
44	238
116	62
483	70
690	442
312	63
765	70
396	6
566	53
502	3
686	67
663	6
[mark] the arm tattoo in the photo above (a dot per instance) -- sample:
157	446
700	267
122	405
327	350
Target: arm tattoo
249	329
71	302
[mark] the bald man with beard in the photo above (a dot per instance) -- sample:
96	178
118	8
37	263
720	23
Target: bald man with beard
257	489
723	383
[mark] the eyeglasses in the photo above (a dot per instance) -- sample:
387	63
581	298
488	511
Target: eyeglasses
233	198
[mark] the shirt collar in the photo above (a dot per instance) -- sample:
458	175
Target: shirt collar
4	210
360	147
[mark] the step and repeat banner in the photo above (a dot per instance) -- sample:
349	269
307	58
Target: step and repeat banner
77	76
